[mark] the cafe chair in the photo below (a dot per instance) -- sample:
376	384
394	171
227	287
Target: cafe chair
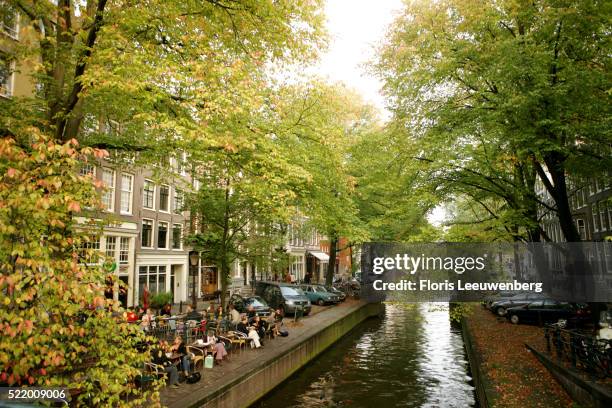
197	355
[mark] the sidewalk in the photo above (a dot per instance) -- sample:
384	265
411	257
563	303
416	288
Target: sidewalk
250	360
514	376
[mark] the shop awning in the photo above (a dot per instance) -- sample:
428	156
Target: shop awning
321	256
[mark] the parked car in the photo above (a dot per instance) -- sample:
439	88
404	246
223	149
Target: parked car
501	306
319	295
549	311
242	304
284	296
336	291
500	296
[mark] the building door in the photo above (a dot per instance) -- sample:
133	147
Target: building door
209	280
123	290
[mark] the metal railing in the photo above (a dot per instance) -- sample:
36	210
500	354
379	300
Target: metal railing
582	351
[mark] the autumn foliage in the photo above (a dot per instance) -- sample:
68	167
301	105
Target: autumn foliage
57	327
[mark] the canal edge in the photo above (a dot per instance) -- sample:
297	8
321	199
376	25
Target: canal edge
482	399
249	387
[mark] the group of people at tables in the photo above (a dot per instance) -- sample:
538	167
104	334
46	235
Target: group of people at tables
175	356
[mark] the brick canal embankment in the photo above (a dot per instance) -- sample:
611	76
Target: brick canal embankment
250	374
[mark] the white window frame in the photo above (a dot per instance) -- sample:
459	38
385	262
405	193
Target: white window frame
121	241
595	216
107	239
143	194
168	202
152	243
183	164
176	194
6	90
130	192
88	165
603	222
110	189
13	32
167	247
180	247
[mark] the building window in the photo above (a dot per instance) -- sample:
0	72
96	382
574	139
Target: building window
162	235
87	169
164	198
177	236
108	197
152	277
581	228
111	246
89	244
6	76
127	181
580	198
148	197
124	250
179	201
147	234
9	19
297	267
595	215
602	216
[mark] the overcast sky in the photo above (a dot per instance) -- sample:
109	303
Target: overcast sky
355	27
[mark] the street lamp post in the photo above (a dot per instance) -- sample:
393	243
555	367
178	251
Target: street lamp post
194	257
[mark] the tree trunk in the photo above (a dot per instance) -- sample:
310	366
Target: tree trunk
331	266
558	190
225	272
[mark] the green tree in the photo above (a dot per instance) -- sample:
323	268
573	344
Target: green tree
526	77
316	125
148	65
393	193
241	207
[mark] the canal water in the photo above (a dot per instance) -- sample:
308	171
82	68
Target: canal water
412	357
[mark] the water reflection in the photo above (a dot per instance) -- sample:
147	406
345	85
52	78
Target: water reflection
412	357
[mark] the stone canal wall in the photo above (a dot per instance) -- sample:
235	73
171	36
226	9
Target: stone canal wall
478	377
278	361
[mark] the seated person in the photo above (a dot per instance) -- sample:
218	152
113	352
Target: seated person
251	312
271	320
158	355
261	326
243	326
148	320
179	347
219	313
192	314
234	315
217	346
250	331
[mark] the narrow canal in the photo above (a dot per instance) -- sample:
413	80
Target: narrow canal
412	357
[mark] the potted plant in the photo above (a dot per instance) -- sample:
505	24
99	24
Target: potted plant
162	302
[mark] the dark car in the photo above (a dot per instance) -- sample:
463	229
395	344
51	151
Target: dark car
319	295
242	304
548	311
501	306
336	291
283	296
500	296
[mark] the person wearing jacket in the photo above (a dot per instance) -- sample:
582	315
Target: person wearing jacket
158	355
